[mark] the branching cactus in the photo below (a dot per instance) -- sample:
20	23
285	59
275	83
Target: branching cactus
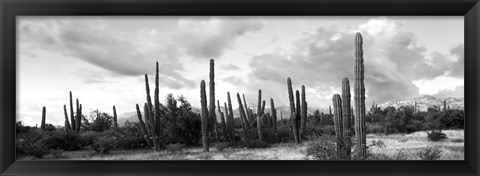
347	127
243	115
359	96
338	123
143	129
149	115
293	114
259	115
44	111
204	120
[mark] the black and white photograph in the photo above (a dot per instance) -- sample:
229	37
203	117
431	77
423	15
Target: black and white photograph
240	88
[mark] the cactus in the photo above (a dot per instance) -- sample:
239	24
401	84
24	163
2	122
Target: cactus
293	114
444	105
157	105
274	115
359	96
150	115
148	124
143	129
330	110
67	123
347	127
303	112
211	109
281	117
243	115
230	120
338	123
415	107
248	119
44	111
72	117
205	121
222	119
78	118
115	124
298	115
259	116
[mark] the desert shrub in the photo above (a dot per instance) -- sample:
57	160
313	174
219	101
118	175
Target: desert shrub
56	154
38	150
284	133
322	149
400	155
223	145
373	127
430	153
174	148
21	128
131	142
65	141
328	130
436	135
254	144
104	144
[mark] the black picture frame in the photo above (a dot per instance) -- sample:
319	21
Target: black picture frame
9	9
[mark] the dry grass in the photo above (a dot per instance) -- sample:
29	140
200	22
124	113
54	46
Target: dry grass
410	144
452	147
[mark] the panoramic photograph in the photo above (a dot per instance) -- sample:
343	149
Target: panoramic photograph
240	88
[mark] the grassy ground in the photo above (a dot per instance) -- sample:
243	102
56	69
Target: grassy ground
408	144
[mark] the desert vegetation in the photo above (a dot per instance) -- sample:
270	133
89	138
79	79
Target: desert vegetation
172	129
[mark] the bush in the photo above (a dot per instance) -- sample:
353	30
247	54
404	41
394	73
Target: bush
38	150
104	144
223	145
65	141
131	142
436	135
430	153
323	149
174	148
254	144
56	154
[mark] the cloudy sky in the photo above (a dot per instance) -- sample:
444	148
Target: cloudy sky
102	60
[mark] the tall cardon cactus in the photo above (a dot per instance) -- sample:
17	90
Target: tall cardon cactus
347	127
303	112
259	116
204	119
293	113
338	123
359	96
44	114
211	109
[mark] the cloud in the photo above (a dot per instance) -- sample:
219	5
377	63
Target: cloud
210	38
321	59
230	67
457	92
134	54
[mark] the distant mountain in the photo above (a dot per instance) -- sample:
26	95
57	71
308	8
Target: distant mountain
426	101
